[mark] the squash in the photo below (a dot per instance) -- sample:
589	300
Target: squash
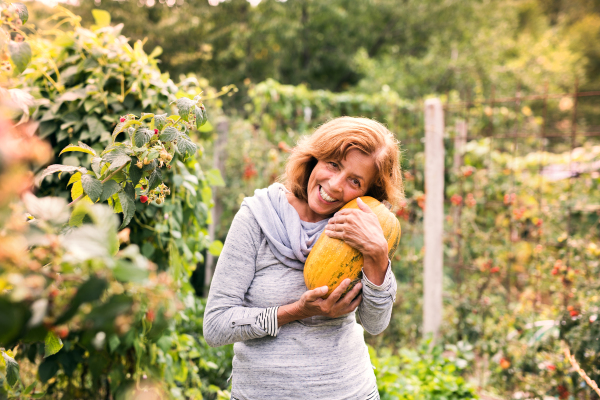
332	260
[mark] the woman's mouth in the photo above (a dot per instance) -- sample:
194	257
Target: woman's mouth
325	196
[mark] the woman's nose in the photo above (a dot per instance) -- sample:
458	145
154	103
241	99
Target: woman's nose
335	183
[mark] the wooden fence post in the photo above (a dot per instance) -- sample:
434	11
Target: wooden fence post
434	216
219	157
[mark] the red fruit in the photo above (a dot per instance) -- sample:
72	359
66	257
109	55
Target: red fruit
62	331
563	393
156	131
551	367
570	308
456	199
554	271
150	315
54	292
574	313
504	363
494	270
249	172
143	198
122	119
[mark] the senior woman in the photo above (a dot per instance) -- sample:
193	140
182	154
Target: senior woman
291	343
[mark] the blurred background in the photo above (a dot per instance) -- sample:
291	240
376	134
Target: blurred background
519	85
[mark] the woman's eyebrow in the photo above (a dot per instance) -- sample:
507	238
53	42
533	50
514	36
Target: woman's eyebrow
353	174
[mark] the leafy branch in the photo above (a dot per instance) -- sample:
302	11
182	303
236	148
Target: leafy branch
124	170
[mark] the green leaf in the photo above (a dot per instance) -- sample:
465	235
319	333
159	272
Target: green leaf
207	127
135	173
147	249
101	17
214	178
77	190
78	214
82	147
128	204
184	107
215	247
12	369
157	51
21	11
53	344
20	54
141	136
128	272
169	134
29	388
47	369
91	187
154	179
96	165
57	168
117	161
76	177
129	190
113	342
109	188
160	121
145	116
121	126
201	116
185	146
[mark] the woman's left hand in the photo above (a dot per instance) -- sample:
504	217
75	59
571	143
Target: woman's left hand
361	230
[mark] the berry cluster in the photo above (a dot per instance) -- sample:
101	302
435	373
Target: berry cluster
157	195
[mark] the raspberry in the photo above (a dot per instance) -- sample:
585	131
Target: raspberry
122	119
574	313
143	198
494	270
150	315
156	131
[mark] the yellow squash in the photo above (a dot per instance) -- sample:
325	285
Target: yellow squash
332	260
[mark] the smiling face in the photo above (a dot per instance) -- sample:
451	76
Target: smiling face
333	183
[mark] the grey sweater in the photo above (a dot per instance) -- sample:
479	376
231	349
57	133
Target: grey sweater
316	358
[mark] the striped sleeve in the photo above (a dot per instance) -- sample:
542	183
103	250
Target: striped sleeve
267	320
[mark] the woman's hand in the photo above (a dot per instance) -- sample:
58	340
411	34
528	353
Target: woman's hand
361	230
312	303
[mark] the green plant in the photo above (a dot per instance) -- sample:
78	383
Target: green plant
428	372
84	82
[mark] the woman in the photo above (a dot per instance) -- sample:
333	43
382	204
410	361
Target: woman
291	343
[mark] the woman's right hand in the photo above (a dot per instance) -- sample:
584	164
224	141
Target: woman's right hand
312	303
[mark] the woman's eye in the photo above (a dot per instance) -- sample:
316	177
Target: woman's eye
332	164
356	182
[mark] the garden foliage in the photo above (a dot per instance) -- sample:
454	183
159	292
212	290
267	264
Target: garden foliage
426	372
84	82
82	312
516	266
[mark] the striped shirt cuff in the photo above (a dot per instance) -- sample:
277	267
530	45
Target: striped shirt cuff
267	320
387	281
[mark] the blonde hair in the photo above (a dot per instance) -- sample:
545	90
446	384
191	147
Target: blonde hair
333	140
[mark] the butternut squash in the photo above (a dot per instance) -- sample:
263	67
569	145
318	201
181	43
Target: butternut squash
332	260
